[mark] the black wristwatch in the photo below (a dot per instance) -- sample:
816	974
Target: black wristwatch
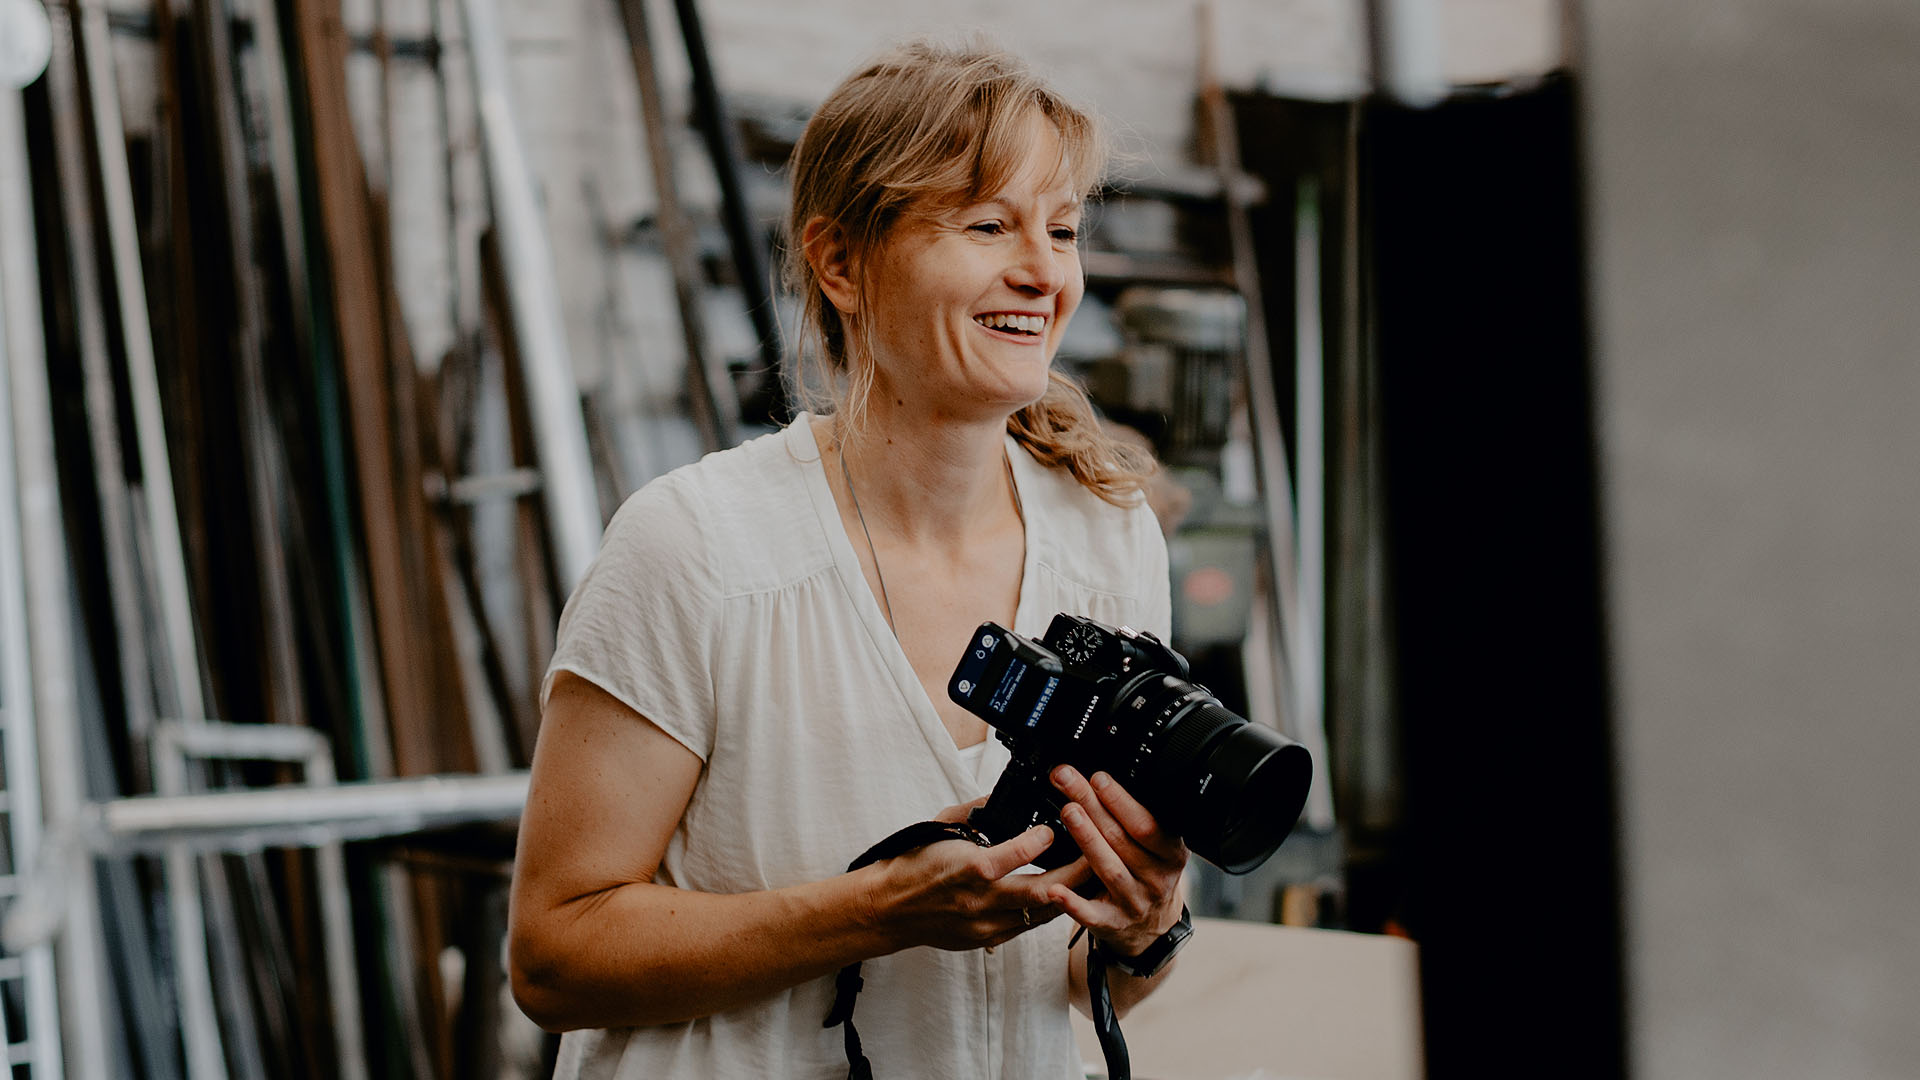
1156	956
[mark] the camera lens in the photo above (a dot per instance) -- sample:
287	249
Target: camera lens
1232	789
1259	787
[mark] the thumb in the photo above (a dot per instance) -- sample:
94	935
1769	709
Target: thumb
1006	857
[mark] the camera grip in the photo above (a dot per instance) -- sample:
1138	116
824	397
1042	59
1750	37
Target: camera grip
1023	798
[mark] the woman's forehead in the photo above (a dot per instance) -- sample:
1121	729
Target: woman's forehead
1035	164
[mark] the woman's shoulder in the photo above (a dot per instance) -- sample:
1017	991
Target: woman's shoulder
722	508
1085	537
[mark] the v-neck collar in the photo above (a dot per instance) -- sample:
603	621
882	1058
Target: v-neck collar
805	449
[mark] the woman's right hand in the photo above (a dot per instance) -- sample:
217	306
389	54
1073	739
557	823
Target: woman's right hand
957	896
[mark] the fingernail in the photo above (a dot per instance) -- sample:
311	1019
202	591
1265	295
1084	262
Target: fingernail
1102	781
1063	774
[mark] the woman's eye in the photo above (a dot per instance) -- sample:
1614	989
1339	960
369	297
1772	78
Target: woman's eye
987	228
1066	235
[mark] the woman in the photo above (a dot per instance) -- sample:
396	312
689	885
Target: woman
749	686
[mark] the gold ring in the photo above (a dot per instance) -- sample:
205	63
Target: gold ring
1026	916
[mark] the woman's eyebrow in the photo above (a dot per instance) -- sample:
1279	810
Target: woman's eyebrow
1071	204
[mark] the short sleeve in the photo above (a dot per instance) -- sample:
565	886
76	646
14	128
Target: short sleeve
643	621
1156	582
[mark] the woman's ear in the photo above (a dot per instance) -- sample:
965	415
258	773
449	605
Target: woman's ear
825	247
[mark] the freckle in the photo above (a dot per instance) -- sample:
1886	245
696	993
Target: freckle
899	401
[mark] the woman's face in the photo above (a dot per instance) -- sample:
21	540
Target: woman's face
967	308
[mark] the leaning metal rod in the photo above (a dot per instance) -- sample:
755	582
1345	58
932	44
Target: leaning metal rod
1309	689
125	584
25	490
716	127
79	953
553	394
715	412
180	646
1269	445
266	498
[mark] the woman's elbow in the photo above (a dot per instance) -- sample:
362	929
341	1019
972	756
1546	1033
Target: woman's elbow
538	985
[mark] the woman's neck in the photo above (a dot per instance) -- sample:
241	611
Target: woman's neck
925	479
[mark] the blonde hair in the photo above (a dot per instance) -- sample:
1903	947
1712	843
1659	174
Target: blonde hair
926	127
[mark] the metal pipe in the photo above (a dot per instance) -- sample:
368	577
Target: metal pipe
180	644
1263	406
715	412
723	146
20	345
83	1002
553	394
1310	442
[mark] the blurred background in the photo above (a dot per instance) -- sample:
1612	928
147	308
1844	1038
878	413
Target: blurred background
1536	383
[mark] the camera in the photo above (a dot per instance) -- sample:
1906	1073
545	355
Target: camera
1101	698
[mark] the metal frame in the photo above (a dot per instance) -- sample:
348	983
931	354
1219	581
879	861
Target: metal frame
174	745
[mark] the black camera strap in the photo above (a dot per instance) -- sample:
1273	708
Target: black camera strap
846	986
1106	1022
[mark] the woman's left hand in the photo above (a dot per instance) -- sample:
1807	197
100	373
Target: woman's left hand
1137	863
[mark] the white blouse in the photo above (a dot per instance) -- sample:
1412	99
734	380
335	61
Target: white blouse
727	606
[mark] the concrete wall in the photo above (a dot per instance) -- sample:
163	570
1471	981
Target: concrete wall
1758	256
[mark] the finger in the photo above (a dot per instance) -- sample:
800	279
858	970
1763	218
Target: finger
1073	875
1140	824
1123	886
1092	914
1075	786
1006	857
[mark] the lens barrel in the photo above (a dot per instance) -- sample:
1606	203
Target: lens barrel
1232	789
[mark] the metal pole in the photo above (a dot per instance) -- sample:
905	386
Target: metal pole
715	412
150	436
723	147
21	745
83	1000
1263	406
553	395
360	811
1310	443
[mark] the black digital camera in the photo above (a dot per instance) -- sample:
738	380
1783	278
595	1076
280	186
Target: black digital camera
1117	700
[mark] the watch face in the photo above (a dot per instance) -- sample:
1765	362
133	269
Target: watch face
1080	645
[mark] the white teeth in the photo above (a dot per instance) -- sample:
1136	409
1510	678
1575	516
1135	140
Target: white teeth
1032	324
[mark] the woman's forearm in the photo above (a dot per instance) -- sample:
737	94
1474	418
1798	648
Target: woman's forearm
640	954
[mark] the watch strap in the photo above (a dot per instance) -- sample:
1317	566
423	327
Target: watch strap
1157	955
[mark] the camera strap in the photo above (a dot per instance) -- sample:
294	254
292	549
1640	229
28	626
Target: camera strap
846	986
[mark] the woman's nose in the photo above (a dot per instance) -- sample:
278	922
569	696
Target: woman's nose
1038	267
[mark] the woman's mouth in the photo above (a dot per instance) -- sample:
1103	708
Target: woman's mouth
1018	325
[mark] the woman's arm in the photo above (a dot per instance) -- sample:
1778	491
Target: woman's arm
595	943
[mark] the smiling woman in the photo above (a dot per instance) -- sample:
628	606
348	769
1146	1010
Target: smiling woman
748	686
936	137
